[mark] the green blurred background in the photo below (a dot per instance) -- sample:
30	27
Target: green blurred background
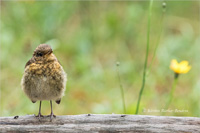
89	38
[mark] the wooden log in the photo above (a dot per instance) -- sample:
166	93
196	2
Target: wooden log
100	123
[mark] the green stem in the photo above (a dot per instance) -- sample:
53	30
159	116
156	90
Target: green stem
146	58
172	90
122	90
158	41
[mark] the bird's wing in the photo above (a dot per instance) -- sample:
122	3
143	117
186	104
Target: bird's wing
30	62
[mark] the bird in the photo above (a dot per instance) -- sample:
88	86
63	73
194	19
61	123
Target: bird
44	78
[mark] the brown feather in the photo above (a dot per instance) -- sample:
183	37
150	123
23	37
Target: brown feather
58	101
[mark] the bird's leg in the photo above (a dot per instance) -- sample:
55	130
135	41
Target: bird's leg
39	114
51	115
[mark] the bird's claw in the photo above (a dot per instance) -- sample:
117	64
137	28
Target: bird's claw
51	116
39	116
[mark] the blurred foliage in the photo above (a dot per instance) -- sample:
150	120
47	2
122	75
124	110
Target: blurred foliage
89	38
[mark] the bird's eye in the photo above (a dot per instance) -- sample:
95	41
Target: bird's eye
39	54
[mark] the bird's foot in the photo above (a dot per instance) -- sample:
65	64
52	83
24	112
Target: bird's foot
51	116
39	116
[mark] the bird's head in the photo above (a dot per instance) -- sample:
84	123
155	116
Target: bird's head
43	53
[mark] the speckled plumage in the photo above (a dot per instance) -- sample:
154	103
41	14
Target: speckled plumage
44	77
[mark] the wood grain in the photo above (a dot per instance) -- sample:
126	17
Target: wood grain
100	123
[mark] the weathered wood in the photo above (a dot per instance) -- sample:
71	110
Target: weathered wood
100	123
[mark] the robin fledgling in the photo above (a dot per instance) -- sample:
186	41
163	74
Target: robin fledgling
44	78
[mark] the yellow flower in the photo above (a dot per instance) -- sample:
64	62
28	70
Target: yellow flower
181	67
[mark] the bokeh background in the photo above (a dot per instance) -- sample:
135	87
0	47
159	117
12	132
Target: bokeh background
88	38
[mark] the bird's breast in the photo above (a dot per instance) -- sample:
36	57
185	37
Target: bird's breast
46	69
44	81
